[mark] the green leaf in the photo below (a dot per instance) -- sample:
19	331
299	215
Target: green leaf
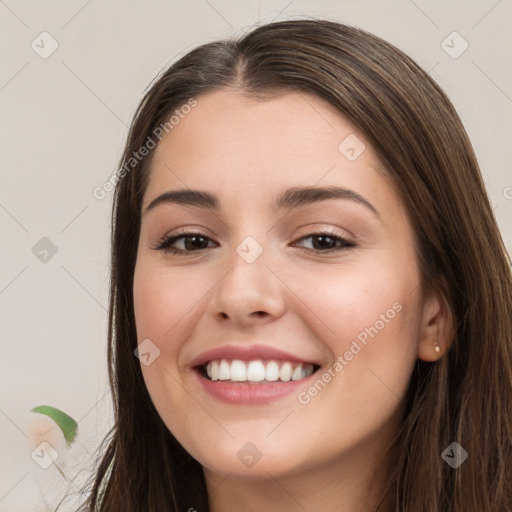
66	423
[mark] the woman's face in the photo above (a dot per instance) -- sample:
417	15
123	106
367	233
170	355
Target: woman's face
275	282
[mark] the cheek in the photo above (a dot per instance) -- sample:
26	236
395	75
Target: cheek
162	300
348	300
161	303
368	320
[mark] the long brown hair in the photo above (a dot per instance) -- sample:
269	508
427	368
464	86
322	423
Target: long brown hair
466	396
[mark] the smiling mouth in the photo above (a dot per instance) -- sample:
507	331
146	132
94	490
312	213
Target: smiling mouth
258	371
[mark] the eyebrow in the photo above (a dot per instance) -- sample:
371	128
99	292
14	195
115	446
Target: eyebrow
291	198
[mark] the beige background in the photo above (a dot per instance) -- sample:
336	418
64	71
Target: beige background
63	123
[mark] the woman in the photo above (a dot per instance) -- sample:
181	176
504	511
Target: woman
306	266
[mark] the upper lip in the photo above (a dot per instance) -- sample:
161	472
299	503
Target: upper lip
247	353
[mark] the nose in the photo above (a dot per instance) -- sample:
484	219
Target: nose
249	293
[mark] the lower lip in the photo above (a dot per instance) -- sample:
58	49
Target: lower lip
244	393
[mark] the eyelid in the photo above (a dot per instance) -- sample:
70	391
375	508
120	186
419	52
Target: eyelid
337	232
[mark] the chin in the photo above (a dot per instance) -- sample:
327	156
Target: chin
252	460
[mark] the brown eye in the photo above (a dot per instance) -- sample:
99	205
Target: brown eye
327	242
191	242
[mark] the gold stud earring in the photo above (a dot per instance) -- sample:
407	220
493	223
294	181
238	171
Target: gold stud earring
437	348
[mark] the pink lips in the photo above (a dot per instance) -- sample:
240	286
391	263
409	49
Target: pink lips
244	393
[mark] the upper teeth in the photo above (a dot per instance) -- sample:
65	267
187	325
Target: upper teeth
257	371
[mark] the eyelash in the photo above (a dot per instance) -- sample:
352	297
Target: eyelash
166	241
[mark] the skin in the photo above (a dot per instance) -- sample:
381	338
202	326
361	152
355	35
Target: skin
321	455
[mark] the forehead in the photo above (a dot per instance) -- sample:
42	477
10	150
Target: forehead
226	119
231	142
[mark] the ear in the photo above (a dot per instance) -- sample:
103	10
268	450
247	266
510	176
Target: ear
437	328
